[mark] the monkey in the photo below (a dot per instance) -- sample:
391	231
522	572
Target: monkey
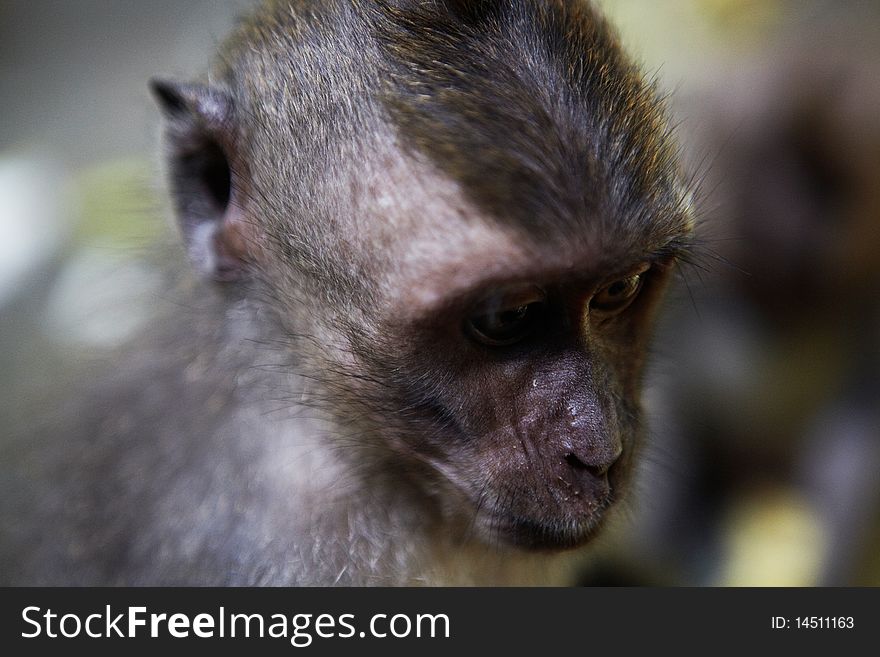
431	239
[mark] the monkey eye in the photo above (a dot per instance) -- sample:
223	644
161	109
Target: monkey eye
617	295
507	318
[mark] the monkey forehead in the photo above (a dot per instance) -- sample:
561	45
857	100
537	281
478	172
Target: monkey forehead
422	219
439	247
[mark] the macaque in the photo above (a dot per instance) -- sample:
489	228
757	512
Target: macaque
432	238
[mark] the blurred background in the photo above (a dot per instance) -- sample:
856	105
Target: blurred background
764	400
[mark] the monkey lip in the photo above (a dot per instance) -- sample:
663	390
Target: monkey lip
549	534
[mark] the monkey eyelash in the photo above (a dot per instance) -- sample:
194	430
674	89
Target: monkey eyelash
505	319
617	295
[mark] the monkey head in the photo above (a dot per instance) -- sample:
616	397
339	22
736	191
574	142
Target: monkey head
463	216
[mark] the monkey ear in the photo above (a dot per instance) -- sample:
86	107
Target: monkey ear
205	176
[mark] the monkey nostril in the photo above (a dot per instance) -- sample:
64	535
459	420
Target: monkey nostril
595	469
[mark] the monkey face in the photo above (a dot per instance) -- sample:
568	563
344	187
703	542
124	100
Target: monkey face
511	373
539	419
467	254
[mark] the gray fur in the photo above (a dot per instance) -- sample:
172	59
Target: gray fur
305	424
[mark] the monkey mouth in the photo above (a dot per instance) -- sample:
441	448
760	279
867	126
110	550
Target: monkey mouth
549	534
